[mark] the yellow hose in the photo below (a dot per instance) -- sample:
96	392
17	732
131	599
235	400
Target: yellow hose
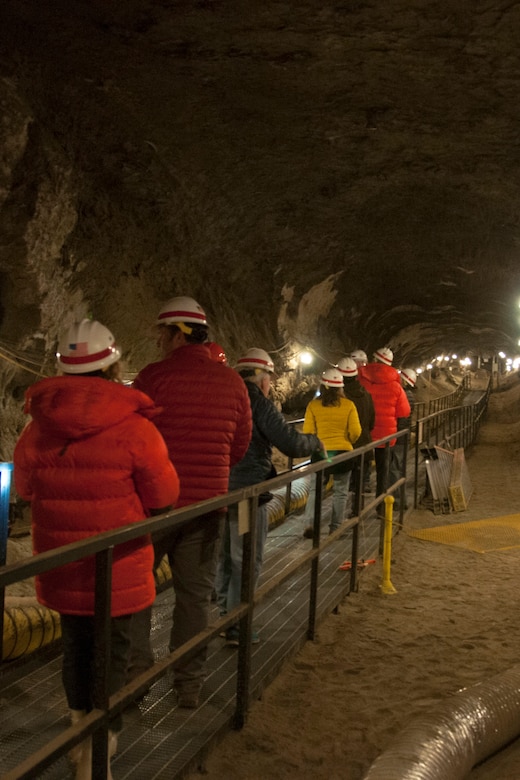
28	626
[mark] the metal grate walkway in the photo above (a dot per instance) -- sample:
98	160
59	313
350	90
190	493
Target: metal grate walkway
159	740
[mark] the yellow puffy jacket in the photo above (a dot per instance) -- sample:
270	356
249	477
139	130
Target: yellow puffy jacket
338	427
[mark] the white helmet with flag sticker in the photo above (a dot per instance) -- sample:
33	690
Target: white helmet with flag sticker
87	346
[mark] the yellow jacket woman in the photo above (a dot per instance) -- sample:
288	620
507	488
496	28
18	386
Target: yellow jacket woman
334	419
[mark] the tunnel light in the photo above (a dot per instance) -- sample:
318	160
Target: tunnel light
501	355
446	357
454	357
418	370
439	359
429	366
305	358
6	470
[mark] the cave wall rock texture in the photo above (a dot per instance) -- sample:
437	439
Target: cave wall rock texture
325	174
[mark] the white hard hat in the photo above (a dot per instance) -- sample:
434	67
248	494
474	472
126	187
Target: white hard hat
348	366
256	358
409	376
87	346
384	355
332	377
359	356
181	309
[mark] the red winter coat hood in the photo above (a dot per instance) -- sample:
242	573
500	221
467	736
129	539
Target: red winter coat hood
78	407
90	462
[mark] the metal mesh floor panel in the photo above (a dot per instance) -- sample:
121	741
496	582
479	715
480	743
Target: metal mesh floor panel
159	740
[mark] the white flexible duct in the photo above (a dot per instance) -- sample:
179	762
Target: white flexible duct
445	743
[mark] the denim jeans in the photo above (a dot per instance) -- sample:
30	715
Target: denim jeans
340	497
228	580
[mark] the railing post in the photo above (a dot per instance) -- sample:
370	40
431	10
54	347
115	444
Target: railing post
288	489
102	651
248	507
313	595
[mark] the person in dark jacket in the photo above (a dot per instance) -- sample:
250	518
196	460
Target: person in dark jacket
269	429
362	400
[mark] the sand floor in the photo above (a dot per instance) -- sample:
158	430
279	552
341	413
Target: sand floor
385	659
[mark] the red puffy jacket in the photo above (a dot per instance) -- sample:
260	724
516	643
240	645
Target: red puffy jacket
205	418
89	462
390	401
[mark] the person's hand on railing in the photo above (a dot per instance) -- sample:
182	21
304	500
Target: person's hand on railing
322	452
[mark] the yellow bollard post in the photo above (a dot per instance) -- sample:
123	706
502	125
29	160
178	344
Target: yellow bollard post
386	585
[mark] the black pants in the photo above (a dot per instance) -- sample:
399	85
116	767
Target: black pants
78	660
383	457
192	552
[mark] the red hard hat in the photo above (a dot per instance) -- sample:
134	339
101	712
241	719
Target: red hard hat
216	351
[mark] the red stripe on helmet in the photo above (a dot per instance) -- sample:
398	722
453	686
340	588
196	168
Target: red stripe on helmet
184	314
337	382
72	360
254	360
383	358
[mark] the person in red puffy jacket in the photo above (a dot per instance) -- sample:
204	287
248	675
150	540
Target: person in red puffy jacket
390	403
206	423
89	461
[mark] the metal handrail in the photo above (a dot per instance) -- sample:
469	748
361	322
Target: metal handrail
102	547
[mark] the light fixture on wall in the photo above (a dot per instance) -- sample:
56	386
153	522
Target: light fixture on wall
6	470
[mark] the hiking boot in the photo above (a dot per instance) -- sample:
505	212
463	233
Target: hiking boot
188	698
233	634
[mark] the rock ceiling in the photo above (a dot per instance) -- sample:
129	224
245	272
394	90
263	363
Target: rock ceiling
325	174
